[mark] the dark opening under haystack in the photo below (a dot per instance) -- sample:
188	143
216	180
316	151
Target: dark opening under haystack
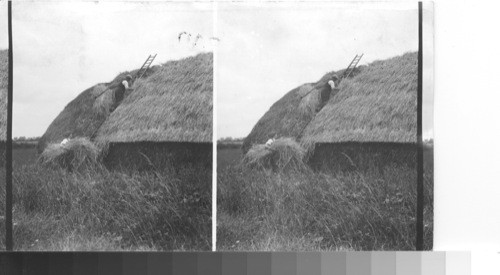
140	156
373	114
171	104
4	81
349	156
283	155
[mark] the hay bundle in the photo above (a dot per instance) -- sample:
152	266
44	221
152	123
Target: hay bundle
284	155
76	155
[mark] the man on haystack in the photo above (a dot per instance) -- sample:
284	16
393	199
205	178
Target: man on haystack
333	82
120	91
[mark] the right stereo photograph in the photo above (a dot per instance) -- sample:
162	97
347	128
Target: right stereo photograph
324	126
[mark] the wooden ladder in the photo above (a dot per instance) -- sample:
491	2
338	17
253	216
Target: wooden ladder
346	73
351	67
145	66
139	73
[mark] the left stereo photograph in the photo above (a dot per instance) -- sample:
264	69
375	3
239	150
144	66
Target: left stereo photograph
112	126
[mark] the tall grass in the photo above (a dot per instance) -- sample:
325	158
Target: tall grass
102	210
342	211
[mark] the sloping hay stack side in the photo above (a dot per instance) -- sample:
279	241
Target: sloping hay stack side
289	116
377	105
83	116
174	104
4	81
374	116
173	107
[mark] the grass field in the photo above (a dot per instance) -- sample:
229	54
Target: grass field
108	210
298	212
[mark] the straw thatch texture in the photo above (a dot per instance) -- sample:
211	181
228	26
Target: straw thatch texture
4	81
174	104
377	105
285	154
140	156
292	113
76	155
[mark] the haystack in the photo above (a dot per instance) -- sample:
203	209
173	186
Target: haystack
374	114
168	114
289	116
75	155
284	155
83	116
166	120
4	81
377	105
174	104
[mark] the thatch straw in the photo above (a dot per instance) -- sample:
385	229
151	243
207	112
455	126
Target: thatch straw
285	154
377	105
75	155
4	79
174	104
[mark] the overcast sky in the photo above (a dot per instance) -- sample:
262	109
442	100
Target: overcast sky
267	50
62	49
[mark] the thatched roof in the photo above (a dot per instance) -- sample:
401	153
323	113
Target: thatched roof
378	103
4	81
172	102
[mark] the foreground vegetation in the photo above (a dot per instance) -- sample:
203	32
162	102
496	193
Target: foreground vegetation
97	209
358	210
